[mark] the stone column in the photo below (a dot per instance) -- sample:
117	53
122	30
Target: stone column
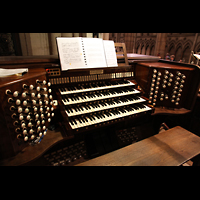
135	39
34	44
52	43
89	35
66	34
192	49
76	34
25	43
39	43
104	36
160	44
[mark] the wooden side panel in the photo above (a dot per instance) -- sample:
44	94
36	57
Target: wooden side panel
10	145
168	85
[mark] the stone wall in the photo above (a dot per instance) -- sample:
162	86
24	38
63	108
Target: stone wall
178	44
45	43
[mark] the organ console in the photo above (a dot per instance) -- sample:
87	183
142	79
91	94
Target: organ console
66	117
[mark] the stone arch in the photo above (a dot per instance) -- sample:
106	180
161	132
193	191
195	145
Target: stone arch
178	45
147	50
152	47
186	54
152	50
187	43
170	44
147	47
139	44
142	49
171	49
178	53
137	48
186	51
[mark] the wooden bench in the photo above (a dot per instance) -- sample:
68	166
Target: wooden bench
169	148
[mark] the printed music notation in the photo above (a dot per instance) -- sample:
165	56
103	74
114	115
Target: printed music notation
71	52
80	52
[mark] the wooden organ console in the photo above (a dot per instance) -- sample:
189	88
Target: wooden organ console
85	113
167	84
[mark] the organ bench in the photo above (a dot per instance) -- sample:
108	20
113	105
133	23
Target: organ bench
169	148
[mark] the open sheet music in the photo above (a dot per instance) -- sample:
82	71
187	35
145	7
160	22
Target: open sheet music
78	52
197	56
111	57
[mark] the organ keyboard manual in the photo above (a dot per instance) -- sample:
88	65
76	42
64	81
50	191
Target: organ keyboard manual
81	52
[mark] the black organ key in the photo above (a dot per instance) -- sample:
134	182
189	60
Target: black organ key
62	89
71	121
141	106
65	98
79	119
74	121
82	118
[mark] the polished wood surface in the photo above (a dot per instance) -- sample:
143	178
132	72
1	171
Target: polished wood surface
169	148
170	65
13	79
12	62
166	111
8	60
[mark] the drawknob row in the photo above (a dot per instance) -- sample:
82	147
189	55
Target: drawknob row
31	87
155	84
178	88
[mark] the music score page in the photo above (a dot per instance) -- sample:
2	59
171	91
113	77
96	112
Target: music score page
78	52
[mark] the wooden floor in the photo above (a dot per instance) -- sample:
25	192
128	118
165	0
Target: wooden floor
169	148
